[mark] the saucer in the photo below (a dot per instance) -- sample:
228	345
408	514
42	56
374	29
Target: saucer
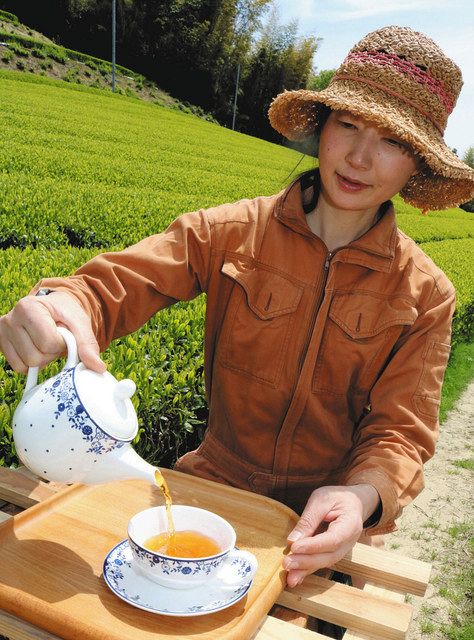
129	584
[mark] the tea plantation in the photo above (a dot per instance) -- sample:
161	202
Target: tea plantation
83	170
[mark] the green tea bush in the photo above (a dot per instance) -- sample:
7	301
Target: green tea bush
9	17
455	258
164	358
6	55
18	49
56	54
71	75
39	52
84	171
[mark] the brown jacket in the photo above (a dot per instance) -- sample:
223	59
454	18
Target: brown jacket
320	369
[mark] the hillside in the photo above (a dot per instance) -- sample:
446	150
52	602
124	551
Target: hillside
25	49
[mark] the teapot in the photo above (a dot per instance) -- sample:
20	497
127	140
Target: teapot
78	425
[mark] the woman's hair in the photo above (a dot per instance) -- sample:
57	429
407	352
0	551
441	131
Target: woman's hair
310	146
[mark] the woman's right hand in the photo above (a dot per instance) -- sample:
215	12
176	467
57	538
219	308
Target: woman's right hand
28	335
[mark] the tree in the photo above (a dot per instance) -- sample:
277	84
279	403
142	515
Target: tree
280	60
321	80
468	157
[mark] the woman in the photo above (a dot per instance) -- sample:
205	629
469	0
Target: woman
327	328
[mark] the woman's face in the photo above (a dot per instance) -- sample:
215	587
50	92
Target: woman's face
361	166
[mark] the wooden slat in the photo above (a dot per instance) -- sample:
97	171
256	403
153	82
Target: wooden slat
276	629
349	607
26	472
382	592
375	590
392	570
21	490
4	516
57	486
16	629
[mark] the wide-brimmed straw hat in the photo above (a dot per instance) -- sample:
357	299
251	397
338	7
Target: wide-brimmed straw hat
400	80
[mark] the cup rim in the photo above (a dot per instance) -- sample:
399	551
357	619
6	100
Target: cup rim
182	558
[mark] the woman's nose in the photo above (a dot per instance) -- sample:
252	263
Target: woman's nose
360	153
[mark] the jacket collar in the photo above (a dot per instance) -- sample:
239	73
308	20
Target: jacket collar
375	249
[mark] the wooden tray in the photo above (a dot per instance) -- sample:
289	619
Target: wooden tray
52	555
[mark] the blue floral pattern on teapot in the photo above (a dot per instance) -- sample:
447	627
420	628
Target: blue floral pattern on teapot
64	392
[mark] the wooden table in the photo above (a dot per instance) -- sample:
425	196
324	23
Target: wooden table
376	612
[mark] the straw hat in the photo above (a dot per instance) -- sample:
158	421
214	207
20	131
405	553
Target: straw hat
398	79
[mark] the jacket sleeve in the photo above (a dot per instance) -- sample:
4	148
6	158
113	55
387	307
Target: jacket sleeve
121	290
399	432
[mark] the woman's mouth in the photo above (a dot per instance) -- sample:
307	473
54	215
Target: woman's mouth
350	186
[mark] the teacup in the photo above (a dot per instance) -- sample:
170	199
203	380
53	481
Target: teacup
186	573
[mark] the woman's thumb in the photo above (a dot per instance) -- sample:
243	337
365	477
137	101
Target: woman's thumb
88	351
311	518
305	528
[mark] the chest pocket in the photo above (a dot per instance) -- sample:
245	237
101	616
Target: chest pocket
359	335
258	321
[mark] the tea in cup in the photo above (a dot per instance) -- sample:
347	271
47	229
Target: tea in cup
201	549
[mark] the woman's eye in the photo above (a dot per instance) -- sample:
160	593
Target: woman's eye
395	143
346	125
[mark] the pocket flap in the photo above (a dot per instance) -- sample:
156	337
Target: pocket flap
362	315
269	294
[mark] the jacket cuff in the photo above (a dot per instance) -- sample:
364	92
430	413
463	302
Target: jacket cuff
382	521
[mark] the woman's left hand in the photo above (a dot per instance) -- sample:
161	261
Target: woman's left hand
345	509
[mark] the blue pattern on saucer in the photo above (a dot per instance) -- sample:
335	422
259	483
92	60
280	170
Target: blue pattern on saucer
130	584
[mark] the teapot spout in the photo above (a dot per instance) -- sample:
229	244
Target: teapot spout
122	464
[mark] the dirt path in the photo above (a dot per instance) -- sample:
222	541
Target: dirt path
435	527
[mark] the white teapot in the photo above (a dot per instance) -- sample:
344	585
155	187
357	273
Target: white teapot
77	426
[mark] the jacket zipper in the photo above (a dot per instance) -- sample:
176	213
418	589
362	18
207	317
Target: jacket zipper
314	315
304	351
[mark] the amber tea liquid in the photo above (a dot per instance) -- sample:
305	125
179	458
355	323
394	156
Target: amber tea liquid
179	544
161	483
183	544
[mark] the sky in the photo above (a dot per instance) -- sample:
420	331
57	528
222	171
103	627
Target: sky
342	23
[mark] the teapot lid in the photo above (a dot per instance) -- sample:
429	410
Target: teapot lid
107	401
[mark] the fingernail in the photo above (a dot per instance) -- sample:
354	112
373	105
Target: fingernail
292	564
294	536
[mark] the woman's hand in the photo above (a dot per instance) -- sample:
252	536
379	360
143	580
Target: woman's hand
28	335
344	509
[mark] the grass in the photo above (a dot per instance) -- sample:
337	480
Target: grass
455	578
454	583
458	375
459	530
465	464
460	593
427	627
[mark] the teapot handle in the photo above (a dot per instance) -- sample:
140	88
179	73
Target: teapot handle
71	361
